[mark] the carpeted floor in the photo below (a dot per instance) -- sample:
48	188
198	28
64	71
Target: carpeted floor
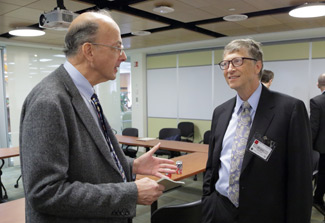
191	191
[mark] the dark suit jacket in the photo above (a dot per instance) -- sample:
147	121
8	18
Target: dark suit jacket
68	172
279	190
317	122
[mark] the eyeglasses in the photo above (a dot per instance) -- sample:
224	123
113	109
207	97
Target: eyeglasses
236	62
121	49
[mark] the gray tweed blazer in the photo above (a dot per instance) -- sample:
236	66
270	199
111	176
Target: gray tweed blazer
68	172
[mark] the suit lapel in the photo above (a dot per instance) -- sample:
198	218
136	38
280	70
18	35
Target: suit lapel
223	121
85	116
263	117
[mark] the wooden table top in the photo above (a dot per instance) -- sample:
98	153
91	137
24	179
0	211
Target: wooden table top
165	144
9	152
193	163
13	211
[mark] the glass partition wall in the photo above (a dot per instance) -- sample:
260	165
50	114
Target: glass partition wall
22	67
4	139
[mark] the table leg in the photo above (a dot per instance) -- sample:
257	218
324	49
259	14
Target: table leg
2	196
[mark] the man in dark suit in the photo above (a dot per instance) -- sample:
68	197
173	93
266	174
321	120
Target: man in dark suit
267	78
259	164
72	166
317	122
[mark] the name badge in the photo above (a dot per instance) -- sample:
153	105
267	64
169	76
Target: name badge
261	150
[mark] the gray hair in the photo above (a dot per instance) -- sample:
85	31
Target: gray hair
253	48
82	33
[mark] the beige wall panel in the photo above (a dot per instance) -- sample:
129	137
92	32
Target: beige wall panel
293	51
195	59
318	49
155	124
163	61
218	56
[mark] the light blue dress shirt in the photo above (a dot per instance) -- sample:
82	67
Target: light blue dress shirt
222	184
84	87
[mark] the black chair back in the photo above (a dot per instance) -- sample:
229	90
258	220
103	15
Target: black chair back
187	213
187	131
206	137
130	132
128	150
169	134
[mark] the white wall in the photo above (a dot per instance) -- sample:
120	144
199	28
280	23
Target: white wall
139	92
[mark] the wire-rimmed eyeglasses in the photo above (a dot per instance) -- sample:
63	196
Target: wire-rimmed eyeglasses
121	49
236	62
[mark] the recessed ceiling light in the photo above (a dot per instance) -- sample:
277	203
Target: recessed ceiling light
308	10
141	33
163	9
235	18
26	32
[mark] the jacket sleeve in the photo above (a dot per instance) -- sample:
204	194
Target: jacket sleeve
315	113
209	167
299	172
50	188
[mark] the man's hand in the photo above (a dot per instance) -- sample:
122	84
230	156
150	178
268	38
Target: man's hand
147	164
148	191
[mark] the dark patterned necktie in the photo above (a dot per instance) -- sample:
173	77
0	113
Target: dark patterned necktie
100	116
238	151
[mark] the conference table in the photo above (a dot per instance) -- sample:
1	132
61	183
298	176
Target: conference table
6	153
13	211
193	163
164	144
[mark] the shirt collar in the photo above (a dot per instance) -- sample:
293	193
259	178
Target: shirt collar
252	100
79	80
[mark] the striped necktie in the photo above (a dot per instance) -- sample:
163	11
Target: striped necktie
100	116
238	151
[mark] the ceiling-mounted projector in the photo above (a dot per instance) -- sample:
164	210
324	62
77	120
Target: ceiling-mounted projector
58	19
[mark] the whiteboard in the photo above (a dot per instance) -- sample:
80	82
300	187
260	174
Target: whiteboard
195	92
162	93
291	78
317	68
222	91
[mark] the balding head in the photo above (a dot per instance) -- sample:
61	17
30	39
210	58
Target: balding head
85	29
321	82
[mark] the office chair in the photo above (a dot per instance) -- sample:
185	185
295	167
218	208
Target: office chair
206	137
169	134
187	131
4	195
189	213
128	150
17	182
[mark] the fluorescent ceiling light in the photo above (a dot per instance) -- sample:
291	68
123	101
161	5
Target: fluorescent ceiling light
163	9
141	33
308	10
235	18
27	32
